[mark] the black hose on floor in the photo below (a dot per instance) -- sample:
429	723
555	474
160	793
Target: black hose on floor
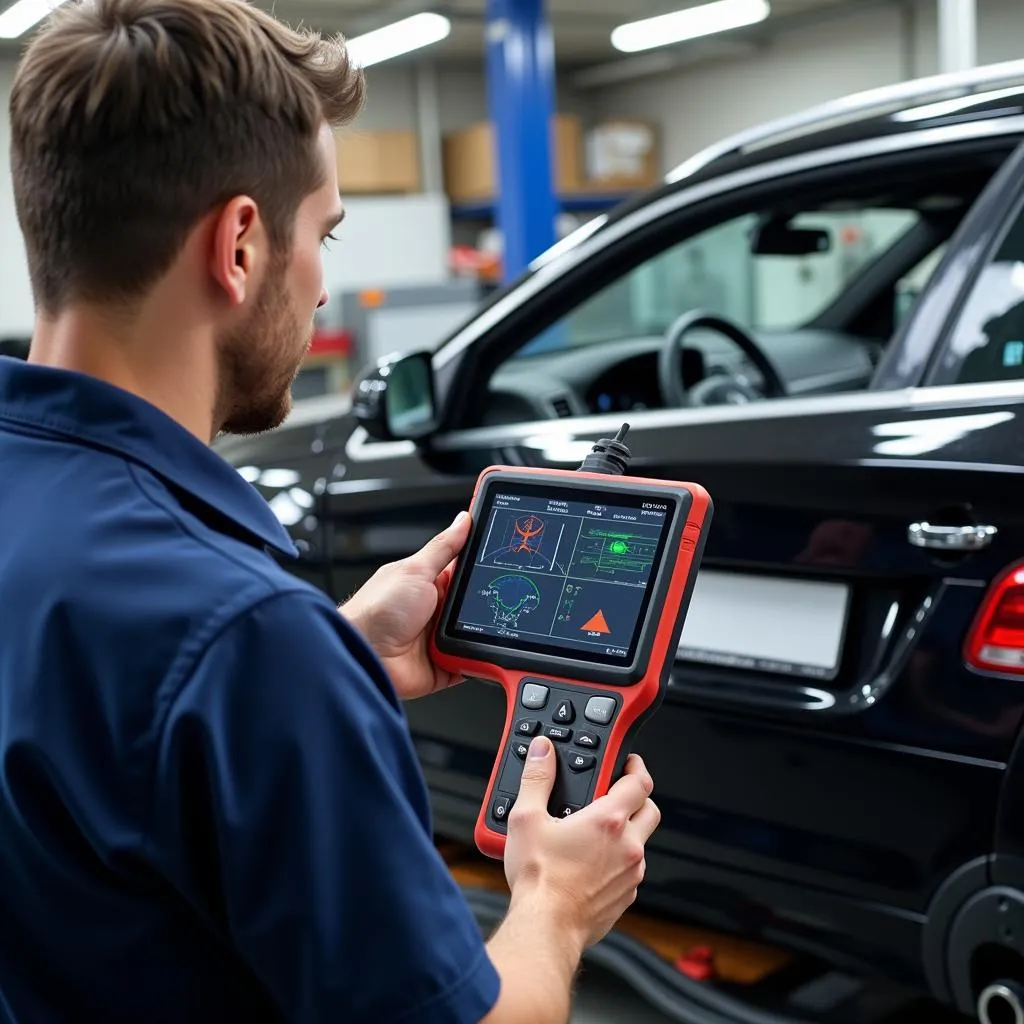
675	995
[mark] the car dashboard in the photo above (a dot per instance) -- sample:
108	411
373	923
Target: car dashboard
622	376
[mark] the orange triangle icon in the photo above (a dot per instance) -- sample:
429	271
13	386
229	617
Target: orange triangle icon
598	624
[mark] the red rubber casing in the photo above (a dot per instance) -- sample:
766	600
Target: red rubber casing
665	617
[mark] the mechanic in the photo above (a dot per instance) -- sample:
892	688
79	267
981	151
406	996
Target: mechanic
210	805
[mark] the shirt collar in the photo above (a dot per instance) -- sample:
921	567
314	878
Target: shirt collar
89	411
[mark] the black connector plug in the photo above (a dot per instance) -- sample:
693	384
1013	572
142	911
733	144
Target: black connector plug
609	455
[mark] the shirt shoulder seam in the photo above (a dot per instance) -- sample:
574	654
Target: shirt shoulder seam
183	526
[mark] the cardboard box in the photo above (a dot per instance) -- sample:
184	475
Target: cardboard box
378	163
623	154
471	166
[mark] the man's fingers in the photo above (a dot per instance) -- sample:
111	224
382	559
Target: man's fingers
645	821
438	553
635	765
444	581
636	768
628	795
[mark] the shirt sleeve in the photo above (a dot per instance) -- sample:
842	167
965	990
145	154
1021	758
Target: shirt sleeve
290	810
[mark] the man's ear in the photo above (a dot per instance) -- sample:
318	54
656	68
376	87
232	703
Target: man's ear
237	243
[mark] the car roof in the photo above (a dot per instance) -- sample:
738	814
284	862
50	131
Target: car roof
982	93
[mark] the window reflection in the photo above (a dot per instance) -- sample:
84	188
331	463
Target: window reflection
988	341
719	271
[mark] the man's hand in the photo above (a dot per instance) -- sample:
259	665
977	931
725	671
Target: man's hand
395	611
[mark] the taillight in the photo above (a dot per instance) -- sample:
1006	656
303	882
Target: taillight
996	640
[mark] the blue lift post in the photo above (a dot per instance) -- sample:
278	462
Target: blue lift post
521	97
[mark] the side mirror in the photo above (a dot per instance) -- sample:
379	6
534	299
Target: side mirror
396	400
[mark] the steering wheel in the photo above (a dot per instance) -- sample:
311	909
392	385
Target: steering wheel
670	363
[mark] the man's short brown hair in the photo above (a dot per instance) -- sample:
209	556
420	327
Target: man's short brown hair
133	119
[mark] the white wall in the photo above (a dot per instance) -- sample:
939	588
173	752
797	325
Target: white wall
15	292
387	242
846	53
390	100
462	97
1000	33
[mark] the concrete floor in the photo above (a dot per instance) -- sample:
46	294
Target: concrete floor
601	998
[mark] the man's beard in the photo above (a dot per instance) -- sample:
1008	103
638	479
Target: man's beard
260	360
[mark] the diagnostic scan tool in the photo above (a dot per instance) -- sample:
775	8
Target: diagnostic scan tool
571	592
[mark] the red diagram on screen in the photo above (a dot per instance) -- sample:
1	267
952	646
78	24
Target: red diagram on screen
526	531
523	541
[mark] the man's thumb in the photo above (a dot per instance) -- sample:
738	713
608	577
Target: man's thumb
440	550
538	775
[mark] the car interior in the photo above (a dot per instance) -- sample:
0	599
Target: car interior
804	294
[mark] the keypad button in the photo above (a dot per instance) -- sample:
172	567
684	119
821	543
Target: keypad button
527	726
564	713
599	710
559	733
534	696
581	762
521	750
501	807
589	740
564	810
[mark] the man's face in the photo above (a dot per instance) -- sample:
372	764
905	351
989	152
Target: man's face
260	359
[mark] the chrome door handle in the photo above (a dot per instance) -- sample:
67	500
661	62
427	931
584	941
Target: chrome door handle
950	538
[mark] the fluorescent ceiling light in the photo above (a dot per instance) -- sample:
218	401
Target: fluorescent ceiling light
400	37
679	26
20	17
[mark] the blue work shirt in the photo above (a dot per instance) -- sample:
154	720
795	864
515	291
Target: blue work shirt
210	806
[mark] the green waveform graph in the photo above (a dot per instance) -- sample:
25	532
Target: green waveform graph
616	554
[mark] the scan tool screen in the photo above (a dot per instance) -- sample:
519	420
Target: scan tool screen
558	570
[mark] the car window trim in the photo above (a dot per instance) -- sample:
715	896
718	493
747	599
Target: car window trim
361	448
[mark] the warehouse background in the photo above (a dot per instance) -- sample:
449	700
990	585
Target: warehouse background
410	210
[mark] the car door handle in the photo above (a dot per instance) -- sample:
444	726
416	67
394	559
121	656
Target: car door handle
950	538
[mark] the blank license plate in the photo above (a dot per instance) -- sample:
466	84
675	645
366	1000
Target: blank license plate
766	624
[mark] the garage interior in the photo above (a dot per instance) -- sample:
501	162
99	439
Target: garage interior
494	132
446	124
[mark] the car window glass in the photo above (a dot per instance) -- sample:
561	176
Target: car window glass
719	271
987	342
911	285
